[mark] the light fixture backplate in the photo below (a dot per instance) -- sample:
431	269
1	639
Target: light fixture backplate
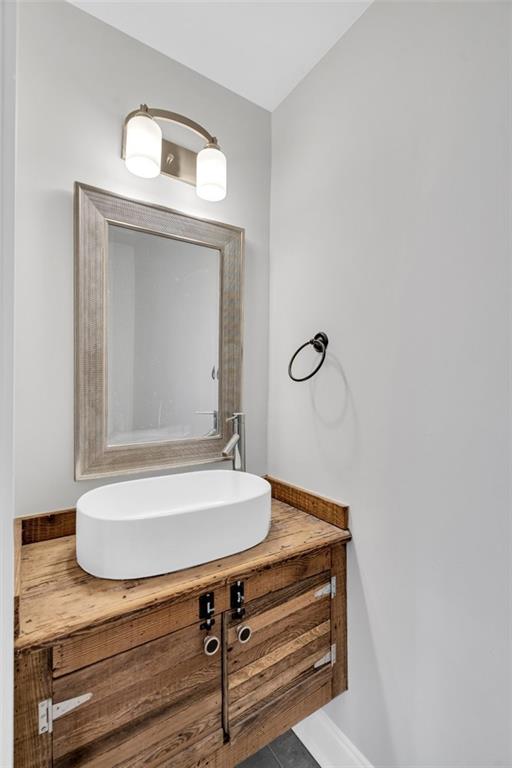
178	162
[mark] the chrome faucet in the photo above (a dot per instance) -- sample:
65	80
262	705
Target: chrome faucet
235	447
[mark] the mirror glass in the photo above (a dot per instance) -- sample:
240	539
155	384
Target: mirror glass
163	304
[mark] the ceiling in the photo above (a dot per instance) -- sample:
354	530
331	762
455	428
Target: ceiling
260	50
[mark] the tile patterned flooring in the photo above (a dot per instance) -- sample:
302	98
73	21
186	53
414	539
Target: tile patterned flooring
285	752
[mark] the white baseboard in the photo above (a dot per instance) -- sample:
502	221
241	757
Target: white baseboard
327	744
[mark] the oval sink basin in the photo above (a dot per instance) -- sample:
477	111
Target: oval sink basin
161	524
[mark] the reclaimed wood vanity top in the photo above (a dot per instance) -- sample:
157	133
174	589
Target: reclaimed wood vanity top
58	598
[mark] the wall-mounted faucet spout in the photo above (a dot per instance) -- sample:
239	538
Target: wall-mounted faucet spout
235	447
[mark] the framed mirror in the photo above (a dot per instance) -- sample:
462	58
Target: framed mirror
158	321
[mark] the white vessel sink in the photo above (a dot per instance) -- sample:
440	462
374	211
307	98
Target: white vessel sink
161	524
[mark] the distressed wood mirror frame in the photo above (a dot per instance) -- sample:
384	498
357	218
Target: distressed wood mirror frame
94	210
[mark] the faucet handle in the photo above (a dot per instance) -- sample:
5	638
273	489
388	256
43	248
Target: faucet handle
235	416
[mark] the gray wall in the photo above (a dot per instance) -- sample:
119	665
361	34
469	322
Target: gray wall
8	13
77	79
390	231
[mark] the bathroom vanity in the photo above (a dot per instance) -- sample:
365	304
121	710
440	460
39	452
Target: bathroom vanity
201	667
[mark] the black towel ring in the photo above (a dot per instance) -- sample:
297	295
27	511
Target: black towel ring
319	343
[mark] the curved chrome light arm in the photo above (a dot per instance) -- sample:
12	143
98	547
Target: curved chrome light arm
173	117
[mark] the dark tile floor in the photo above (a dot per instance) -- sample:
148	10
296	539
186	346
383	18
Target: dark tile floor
285	752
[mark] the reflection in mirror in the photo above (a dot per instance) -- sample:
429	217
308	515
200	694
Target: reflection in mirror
163	304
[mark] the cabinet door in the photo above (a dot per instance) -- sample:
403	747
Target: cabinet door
158	704
286	651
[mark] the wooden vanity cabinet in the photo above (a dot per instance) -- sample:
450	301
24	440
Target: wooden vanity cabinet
139	690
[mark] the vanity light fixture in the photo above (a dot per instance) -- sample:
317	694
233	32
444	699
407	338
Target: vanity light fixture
147	154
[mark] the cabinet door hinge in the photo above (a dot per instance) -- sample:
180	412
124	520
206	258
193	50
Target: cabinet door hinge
327	589
48	711
329	658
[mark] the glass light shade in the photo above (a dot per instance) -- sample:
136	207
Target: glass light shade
211	174
143	147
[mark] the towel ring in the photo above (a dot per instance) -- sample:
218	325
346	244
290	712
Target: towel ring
319	342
